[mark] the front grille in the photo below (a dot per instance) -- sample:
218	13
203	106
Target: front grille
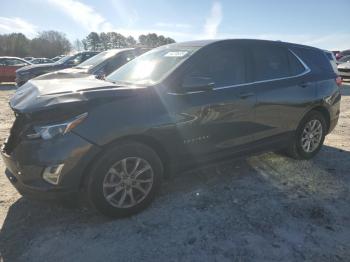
16	133
346	70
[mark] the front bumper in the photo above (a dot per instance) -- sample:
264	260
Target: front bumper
34	192
26	163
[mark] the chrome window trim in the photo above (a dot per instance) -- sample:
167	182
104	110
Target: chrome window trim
307	70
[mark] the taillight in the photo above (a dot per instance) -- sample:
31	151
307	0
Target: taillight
338	80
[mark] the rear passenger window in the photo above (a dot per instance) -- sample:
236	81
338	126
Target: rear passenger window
295	65
224	65
270	62
316	60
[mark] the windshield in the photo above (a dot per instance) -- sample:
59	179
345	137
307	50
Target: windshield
97	59
151	67
64	59
345	59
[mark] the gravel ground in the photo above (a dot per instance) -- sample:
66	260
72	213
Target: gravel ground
263	208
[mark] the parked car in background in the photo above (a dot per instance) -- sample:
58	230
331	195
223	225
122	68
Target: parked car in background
342	53
56	58
42	61
178	104
343	59
99	65
344	70
29	58
8	67
28	72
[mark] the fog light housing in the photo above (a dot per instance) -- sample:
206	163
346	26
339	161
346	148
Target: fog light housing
52	174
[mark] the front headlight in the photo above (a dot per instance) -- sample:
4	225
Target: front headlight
49	131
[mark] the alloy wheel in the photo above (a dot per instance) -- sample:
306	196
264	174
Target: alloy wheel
311	136
128	182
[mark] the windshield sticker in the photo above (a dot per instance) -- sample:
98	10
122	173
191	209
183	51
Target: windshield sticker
176	54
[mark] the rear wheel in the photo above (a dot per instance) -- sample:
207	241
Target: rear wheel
309	136
125	179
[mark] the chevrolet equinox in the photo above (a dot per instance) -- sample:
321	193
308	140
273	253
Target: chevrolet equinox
114	139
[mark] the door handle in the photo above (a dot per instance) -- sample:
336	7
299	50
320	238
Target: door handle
246	95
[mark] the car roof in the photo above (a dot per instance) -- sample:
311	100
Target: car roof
202	43
12	57
118	50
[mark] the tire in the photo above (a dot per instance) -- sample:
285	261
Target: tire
296	149
114	192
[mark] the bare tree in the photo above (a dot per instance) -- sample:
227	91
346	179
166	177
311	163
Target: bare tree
47	44
78	45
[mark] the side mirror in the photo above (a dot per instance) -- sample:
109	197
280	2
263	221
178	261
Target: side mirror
100	74
196	84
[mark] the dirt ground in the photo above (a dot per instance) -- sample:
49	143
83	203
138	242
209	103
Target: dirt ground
264	208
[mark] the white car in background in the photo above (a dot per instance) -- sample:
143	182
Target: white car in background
344	69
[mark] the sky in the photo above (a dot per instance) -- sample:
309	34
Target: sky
321	23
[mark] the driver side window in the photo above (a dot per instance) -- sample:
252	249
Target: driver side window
15	62
77	60
225	65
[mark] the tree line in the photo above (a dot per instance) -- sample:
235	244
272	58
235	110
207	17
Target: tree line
109	40
53	43
46	44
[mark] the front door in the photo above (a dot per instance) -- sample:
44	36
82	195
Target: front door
218	119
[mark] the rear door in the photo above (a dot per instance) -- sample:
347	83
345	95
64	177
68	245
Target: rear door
282	88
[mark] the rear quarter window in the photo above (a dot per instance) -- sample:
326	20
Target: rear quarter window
329	55
315	59
296	67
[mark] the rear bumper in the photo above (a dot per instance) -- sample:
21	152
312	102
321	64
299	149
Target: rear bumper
333	124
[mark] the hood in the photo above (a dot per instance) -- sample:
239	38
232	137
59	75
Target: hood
65	73
74	70
40	67
42	95
345	65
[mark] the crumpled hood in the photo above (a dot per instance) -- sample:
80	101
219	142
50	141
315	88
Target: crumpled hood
41	95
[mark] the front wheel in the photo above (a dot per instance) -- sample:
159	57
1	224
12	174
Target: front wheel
125	179
309	136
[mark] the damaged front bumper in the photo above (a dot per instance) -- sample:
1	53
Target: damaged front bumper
27	162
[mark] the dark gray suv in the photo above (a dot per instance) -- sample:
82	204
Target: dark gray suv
178	104
26	73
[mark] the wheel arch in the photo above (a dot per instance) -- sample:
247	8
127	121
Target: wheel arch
149	141
324	111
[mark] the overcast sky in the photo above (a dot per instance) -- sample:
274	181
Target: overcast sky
321	23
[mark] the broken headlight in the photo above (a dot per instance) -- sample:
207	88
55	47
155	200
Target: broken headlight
49	131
